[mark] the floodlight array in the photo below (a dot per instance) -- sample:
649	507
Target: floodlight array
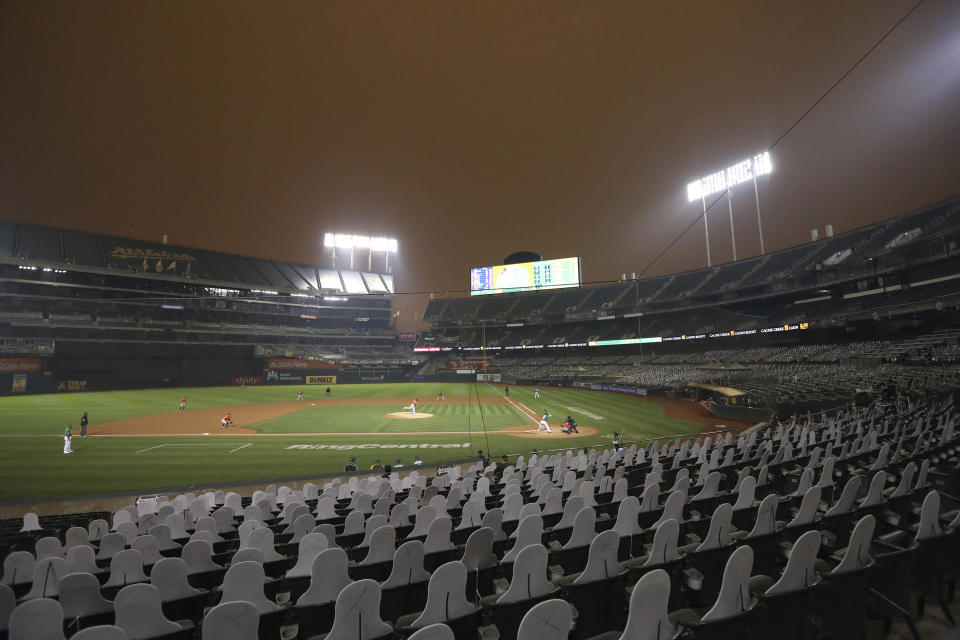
375	244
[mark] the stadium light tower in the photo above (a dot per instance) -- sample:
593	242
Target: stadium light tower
351	242
726	180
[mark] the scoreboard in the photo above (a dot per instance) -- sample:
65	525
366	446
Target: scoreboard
525	276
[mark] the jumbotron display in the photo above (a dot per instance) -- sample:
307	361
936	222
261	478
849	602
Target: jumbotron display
525	276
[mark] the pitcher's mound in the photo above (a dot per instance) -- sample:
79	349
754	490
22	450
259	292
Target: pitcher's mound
406	415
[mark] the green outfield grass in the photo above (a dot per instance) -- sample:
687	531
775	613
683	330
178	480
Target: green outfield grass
32	464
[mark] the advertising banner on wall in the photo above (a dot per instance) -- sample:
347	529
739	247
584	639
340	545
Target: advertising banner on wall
619	388
19	383
299	365
407	336
21	365
488	377
321	379
247	381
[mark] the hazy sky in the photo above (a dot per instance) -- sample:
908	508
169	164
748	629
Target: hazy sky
471	130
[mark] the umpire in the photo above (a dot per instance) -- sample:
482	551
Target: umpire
83	425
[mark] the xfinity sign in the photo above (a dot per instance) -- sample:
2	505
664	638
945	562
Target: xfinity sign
720	181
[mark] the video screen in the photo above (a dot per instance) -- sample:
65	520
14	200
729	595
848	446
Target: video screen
525	276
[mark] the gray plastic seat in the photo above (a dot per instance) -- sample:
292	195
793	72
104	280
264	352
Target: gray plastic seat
309	547
80	596
438	631
18	568
126	568
445	596
38	619
382	545
76	536
244	581
407	566
357	613
139	613
549	620
529	578
529	531
101	632
110	545
734	597
647	619
328	576
197	554
8	602
169	576
231	621
147	546
48	547
46	578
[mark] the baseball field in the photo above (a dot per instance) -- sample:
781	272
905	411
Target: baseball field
138	441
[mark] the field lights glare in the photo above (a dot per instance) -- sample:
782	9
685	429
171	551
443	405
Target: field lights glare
741	172
350	241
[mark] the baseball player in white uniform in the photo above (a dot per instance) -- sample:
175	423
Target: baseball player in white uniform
543	424
413	405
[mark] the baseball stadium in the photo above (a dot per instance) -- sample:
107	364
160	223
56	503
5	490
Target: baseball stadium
277	422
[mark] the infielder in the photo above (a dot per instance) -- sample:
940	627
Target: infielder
300	397
68	438
183	403
543	423
226	421
536	394
413	405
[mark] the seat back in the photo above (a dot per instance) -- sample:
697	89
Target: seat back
357	613
445	595
734	597
197	554
328	576
929	526
139	612
766	522
857	555
169	576
231	621
493	519
584	528
38	619
478	551
308	548
847	498
101	632
47	574
799	572
382	545
549	620
529	576
244	581
438	535
627	523
529	532
648	618
808	508
407	565
720	525
664	548
80	596
18	567
602	562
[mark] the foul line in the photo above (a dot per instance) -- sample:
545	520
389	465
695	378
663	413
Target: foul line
190	444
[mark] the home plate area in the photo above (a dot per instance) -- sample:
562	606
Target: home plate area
406	415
